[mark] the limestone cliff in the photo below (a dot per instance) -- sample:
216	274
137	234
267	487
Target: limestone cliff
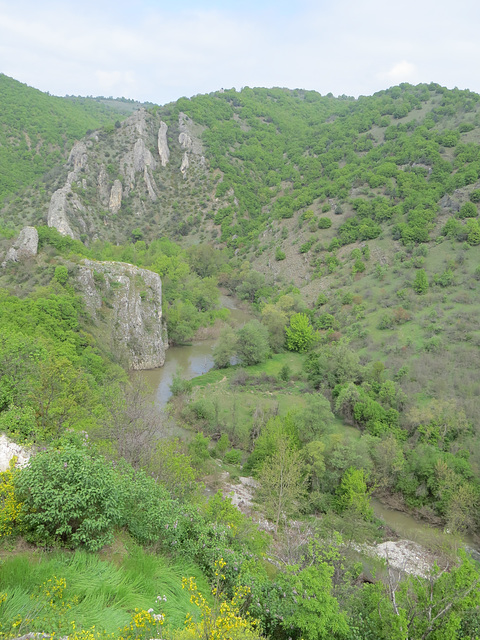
129	300
24	247
127	176
163	150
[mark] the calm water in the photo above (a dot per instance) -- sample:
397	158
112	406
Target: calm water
192	360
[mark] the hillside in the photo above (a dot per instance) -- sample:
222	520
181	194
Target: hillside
349	229
37	131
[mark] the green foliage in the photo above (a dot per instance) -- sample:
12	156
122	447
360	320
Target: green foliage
299	334
353	494
61	274
420	284
69	498
252	343
468	210
225	348
38	129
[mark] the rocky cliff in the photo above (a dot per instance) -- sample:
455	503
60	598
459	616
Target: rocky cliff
131	176
128	300
24	247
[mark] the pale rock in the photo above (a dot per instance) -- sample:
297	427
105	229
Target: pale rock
149	182
136	160
185	164
185	141
8	449
78	156
57	211
115	201
134	316
24	247
163	150
103	186
188	138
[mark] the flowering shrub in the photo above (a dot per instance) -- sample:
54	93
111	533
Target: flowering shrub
224	620
9	505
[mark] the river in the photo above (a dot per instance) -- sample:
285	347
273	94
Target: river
195	359
191	360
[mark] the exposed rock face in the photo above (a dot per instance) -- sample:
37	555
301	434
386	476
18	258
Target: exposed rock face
163	150
185	164
115	197
8	449
57	211
188	138
59	205
189	141
103	186
149	182
78	156
24	247
134	296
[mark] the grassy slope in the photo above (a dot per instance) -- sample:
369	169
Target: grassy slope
37	130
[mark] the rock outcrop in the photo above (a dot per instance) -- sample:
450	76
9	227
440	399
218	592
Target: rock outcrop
163	150
185	164
24	247
103	186
64	201
189	141
129	300
115	201
8	449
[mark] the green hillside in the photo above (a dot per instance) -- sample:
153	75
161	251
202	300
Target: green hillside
37	131
349	231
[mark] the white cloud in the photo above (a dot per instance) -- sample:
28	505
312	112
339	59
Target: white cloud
401	72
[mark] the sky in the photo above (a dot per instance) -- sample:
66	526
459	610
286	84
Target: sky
157	51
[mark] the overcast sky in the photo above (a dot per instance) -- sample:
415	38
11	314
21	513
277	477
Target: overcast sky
158	51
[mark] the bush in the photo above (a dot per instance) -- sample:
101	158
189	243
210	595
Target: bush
468	210
279	255
324	223
475	196
69	498
234	456
300	334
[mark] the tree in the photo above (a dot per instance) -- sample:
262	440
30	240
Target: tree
225	348
252	343
315	419
314	611
275	320
282	483
420	284
132	423
468	210
353	495
300	333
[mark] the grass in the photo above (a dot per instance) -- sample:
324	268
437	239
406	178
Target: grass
97	591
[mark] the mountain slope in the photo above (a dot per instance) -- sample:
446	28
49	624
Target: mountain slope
37	130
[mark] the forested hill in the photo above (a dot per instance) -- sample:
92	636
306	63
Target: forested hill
401	160
38	130
349	228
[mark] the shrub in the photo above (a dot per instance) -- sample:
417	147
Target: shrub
324	223
468	210
68	498
234	456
